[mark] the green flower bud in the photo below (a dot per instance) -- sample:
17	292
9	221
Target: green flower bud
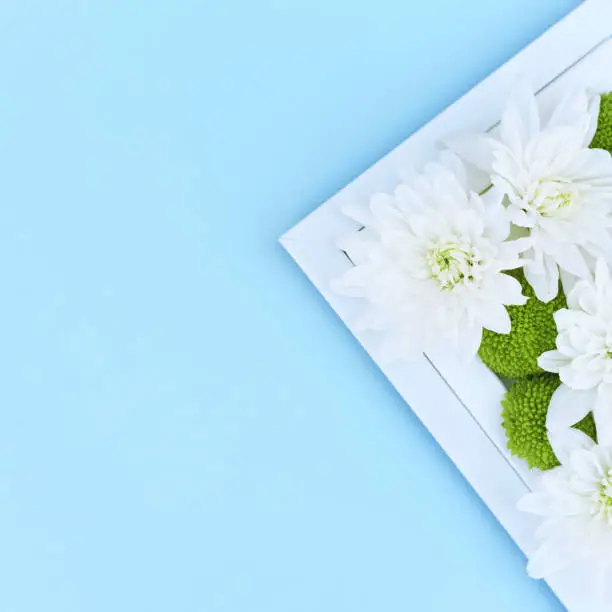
524	419
533	332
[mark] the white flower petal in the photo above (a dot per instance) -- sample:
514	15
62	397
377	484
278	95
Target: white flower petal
509	290
572	107
602	413
419	225
384	210
535	503
520	120
510	251
602	275
495	318
565	343
570	258
475	149
564	442
592	165
588	301
568	281
564	318
586	465
454	163
408	200
591	362
511	129
521	218
550	558
545	283
526	105
593	110
568	407
579	379
468	341
553	361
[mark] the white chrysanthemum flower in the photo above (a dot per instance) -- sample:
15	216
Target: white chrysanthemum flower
558	190
575	501
429	262
583	360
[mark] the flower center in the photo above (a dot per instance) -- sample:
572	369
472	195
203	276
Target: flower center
552	198
604	498
451	263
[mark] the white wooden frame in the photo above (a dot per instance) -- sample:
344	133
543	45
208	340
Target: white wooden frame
460	405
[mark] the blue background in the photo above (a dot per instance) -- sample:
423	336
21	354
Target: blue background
184	424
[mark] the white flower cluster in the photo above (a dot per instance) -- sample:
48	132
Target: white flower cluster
430	262
430	258
576	498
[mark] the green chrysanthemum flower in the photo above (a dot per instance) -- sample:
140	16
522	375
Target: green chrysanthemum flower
603	135
524	418
533	332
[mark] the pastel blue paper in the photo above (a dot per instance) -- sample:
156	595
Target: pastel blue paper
184	423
